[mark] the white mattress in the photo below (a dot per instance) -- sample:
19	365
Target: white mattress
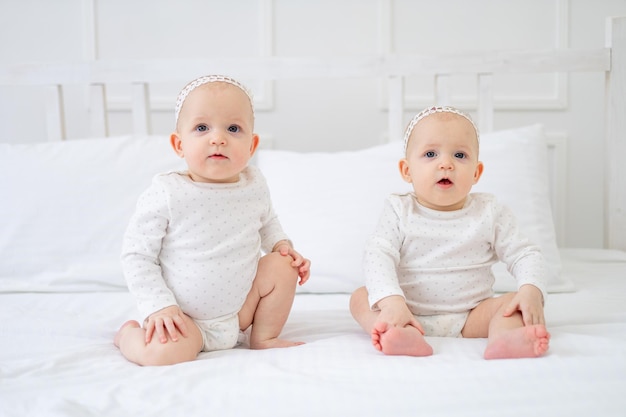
57	359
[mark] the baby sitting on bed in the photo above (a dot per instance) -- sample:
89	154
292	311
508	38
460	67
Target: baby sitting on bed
192	253
428	264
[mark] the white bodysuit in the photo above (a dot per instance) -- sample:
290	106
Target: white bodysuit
197	245
440	261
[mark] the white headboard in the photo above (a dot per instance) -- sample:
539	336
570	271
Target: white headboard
392	69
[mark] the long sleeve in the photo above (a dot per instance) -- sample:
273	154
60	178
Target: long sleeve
523	259
140	252
382	255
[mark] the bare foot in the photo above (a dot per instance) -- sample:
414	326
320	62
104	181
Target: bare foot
273	343
524	342
393	340
118	335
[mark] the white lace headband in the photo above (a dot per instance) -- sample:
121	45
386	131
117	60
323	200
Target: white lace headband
432	110
205	80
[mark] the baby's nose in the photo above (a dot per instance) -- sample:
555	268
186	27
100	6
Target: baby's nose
446	163
217	138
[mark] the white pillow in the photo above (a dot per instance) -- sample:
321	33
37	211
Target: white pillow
516	171
66	205
329	203
65	208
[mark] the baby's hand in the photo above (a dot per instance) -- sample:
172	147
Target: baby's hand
395	312
529	301
166	322
302	264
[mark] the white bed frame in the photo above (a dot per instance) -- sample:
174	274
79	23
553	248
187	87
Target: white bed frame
393	69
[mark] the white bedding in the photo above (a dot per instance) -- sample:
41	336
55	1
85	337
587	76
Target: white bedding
63	296
57	358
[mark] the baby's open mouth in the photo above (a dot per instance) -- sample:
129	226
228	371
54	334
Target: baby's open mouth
444	181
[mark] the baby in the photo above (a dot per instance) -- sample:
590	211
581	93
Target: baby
428	264
193	251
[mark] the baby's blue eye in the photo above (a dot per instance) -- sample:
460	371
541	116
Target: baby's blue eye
430	154
460	155
201	128
233	129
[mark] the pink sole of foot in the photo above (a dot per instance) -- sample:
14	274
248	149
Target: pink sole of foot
406	341
525	342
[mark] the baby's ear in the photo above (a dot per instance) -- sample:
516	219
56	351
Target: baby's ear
479	171
177	144
405	172
255	144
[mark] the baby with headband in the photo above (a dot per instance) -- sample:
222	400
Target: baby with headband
428	264
204	254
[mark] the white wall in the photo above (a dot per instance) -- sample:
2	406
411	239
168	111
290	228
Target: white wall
334	114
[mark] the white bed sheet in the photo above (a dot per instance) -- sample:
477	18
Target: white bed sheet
57	359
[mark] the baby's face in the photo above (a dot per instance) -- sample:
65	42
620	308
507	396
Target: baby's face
442	161
215	132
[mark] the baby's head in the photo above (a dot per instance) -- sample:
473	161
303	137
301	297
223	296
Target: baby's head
208	79
214	128
434	110
441	157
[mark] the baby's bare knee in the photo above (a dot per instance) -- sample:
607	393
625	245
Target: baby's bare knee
280	264
358	297
276	269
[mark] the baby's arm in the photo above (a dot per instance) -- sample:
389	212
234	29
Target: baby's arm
304	265
165	322
529	301
526	263
141	248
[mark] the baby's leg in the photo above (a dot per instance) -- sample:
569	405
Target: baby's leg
269	302
507	336
390	340
131	340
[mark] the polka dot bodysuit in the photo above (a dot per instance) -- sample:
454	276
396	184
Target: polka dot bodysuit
440	261
197	245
